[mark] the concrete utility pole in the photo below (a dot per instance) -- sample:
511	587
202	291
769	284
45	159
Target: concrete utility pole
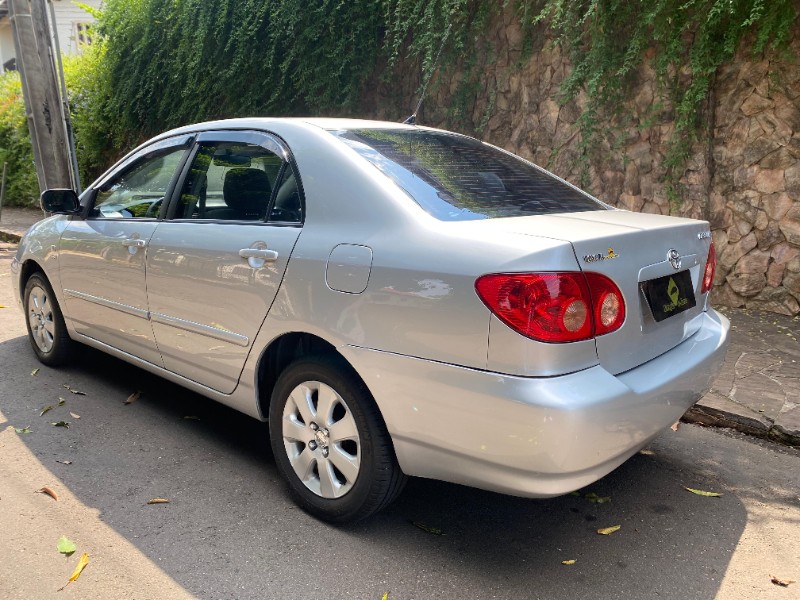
40	89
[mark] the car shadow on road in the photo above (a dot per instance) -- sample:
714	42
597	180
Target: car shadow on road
229	512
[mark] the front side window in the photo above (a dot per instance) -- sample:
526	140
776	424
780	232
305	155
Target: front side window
229	181
457	178
139	191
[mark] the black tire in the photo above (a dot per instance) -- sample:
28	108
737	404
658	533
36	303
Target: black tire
47	332
379	479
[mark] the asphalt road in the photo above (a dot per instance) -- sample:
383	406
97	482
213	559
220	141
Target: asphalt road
230	531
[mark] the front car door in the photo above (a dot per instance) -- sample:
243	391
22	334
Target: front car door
102	258
215	264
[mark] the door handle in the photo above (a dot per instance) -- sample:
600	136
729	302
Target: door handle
259	253
134	243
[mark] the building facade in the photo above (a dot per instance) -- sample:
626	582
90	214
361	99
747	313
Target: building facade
72	23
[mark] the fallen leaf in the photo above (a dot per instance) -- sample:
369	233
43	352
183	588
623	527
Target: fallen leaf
45	410
595	499
73	391
781	582
191	418
64	462
427	529
133	397
66	546
646	452
385	596
1	306
64	424
84	560
74	416
703	493
158	501
61	402
609	530
34	372
49	492
22	430
572	561
675	426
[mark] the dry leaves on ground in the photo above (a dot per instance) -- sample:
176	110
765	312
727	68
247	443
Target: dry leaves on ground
427	528
595	499
34	372
158	501
133	397
84	560
703	493
781	582
48	492
571	561
609	530
74	391
66	546
64	424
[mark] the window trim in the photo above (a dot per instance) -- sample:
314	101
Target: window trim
264	139
131	161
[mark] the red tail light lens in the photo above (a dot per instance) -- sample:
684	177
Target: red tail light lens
609	308
711	267
554	307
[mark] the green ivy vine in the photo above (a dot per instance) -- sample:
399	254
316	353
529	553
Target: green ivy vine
606	41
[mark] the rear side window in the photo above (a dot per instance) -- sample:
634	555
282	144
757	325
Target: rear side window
458	178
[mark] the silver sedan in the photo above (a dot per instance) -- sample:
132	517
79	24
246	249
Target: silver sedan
396	300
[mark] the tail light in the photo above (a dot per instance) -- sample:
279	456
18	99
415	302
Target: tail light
711	267
554	307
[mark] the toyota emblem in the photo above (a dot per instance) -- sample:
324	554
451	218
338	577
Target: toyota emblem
674	258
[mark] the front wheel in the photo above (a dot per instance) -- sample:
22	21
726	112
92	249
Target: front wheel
330	442
46	329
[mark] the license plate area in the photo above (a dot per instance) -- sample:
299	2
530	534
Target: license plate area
669	295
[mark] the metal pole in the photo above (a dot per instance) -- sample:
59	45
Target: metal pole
73	157
40	90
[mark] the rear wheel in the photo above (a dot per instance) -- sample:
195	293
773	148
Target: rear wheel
330	443
46	329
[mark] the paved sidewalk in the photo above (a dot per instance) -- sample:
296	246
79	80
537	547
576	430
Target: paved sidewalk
14	222
757	391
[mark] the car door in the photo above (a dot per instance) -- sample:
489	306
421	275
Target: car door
215	264
102	258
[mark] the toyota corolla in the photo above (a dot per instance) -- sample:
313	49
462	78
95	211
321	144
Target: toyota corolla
395	300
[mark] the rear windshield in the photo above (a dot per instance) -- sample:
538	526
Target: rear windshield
456	178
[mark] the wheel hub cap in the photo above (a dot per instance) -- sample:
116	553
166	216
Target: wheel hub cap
40	319
321	439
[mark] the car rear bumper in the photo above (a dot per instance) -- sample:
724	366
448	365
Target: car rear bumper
534	437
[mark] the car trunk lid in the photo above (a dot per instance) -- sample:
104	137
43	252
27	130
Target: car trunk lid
631	249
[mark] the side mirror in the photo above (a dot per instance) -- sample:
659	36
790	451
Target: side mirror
61	202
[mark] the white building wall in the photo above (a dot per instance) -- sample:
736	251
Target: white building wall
68	14
7	51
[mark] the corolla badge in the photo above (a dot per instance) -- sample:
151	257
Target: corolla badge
590	258
674	258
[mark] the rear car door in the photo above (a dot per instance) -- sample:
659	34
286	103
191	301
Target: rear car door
102	257
215	264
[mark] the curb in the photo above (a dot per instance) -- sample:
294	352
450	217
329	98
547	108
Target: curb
757	427
8	236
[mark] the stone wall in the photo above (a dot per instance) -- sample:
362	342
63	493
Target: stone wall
743	176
